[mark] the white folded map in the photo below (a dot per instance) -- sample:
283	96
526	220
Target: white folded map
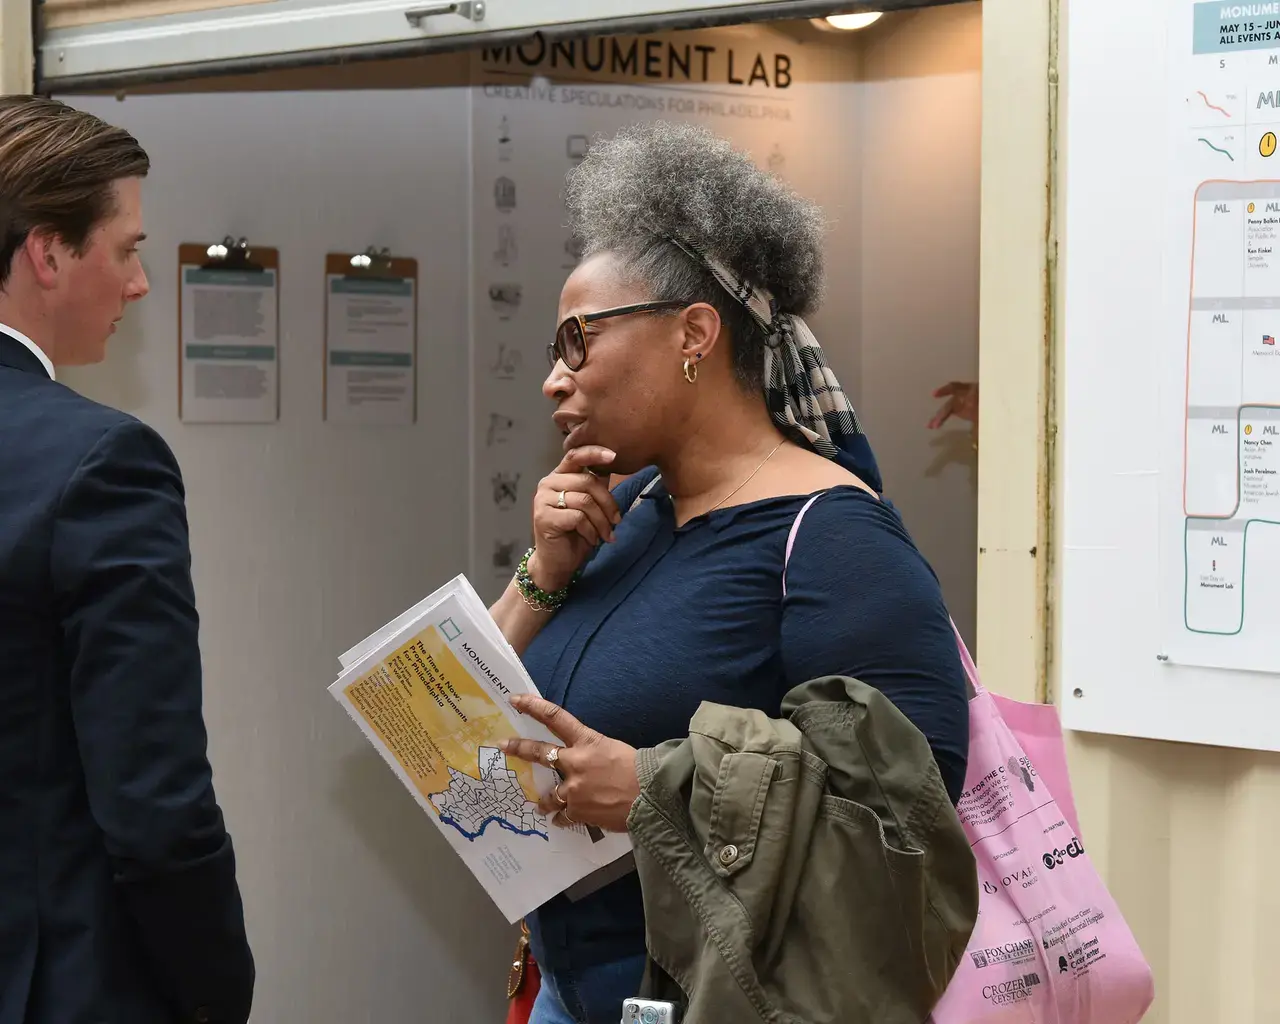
431	692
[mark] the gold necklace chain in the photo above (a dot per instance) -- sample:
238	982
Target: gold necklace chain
746	481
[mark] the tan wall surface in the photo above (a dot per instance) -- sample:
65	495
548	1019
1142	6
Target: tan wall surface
1011	350
15	46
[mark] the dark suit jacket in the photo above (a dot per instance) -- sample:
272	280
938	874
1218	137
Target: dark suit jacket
118	895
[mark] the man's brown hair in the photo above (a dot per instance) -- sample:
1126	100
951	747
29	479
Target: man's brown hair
58	167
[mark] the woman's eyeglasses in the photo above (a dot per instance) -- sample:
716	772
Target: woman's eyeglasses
571	336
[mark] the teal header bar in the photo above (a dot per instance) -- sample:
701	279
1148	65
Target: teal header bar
245	353
358	286
1224	27
370	359
231	278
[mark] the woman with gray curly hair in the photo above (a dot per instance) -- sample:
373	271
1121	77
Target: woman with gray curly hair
683	361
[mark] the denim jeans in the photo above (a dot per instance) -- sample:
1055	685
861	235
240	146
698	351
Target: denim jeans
591	995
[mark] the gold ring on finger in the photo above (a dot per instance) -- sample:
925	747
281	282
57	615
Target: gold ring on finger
560	502
555	792
553	760
565	815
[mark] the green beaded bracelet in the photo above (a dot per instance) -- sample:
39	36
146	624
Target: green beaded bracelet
534	596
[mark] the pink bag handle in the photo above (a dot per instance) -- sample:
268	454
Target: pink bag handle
966	659
791	539
970	669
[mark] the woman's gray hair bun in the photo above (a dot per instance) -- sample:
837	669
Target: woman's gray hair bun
681	180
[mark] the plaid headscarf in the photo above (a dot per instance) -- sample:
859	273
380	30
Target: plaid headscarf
800	389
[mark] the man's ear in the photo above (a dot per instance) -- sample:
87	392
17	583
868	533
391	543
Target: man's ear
46	255
702	327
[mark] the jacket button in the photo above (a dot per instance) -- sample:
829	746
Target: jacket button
728	855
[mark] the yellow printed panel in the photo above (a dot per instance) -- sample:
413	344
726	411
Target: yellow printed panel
432	715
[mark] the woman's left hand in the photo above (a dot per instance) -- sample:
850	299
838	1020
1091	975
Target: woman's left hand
598	782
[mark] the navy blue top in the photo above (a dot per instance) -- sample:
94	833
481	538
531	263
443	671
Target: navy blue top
665	618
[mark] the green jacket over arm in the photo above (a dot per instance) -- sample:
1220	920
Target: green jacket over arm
805	869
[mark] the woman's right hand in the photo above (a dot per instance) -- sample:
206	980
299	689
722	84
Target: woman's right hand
565	537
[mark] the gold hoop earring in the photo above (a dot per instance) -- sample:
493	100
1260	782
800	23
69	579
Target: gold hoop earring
690	371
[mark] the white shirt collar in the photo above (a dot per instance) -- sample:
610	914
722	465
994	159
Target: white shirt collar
36	349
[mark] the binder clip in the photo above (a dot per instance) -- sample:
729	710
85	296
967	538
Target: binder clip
231	254
373	262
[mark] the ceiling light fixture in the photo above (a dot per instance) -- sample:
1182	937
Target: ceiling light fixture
850	22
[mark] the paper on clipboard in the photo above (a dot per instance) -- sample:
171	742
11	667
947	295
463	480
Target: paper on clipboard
229	334
371	338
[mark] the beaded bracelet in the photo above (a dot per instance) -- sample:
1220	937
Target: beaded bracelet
534	596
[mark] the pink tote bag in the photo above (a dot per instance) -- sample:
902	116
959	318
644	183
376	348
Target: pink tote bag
1050	945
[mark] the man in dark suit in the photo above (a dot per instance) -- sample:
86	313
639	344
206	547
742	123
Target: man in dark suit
118	895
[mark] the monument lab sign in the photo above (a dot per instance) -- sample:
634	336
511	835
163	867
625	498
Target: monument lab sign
648	59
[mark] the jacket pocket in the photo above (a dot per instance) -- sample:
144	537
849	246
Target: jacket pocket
742	785
852	949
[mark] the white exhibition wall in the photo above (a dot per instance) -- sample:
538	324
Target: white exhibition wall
307	535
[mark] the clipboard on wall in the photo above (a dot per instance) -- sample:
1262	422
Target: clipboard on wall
371	338
228	333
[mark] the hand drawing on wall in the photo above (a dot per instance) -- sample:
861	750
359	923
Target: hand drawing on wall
506	364
504	194
507	251
504	139
504	555
500	428
505	298
506	489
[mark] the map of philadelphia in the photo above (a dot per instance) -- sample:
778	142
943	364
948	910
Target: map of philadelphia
471	804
